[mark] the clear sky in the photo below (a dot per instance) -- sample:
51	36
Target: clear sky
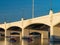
14	10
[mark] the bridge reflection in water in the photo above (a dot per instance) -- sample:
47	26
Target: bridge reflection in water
16	43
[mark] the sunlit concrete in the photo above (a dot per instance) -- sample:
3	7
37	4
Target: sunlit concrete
41	20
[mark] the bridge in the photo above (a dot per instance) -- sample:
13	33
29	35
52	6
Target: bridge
42	26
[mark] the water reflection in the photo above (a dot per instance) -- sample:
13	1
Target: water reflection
55	43
35	43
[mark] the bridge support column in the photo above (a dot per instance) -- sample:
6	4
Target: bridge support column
41	39
51	33
23	34
24	42
20	38
51	25
5	34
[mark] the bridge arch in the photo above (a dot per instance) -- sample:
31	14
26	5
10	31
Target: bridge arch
36	38
15	33
34	33
38	26
2	29
2	35
14	28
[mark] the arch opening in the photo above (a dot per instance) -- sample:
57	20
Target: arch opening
14	28
38	29
2	30
14	32
2	34
36	38
34	33
38	26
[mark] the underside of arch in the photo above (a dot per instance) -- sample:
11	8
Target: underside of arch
14	28
38	26
34	33
14	33
2	30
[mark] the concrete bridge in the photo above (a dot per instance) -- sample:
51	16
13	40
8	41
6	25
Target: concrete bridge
45	26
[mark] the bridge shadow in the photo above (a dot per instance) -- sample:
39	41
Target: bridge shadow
56	40
55	43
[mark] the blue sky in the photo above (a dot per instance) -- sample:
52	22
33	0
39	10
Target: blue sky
14	10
